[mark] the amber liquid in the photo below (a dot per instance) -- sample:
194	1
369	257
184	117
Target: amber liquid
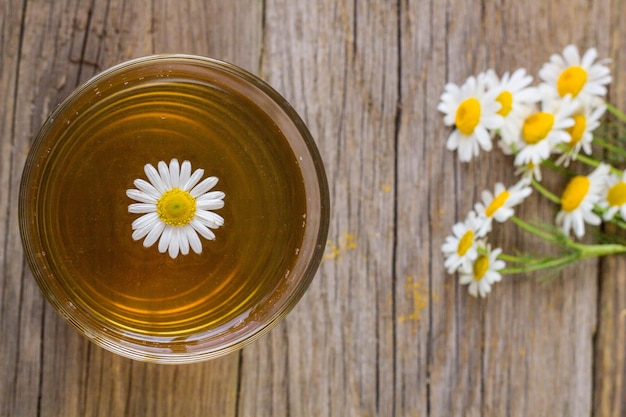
104	141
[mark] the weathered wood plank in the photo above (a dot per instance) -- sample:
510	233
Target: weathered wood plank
31	62
383	330
527	349
51	369
610	354
337	63
11	15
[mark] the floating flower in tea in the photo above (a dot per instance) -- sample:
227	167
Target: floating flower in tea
176	207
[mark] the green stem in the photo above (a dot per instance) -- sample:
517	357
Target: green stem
587	160
525	260
593	251
619	222
615	220
552	263
595	163
581	251
511	258
554	167
609	147
544	192
616	112
533	229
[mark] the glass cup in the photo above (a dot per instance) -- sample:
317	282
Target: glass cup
174	208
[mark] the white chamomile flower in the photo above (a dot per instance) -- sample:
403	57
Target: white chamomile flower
472	111
516	100
483	272
580	78
529	172
460	248
578	199
586	120
176	208
499	205
614	197
543	130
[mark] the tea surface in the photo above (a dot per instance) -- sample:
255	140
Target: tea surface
104	141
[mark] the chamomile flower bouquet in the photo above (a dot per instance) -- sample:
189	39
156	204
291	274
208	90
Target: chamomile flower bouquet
544	126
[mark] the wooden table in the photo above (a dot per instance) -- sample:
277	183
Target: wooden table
383	330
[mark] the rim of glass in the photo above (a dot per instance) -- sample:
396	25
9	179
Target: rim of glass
307	263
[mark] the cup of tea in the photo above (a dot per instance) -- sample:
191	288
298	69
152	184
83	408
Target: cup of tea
174	208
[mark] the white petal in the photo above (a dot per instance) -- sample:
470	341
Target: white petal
210	219
465	149
185	172
487	197
165	174
579	228
448	249
141	208
193	180
141	232
194	240
484	287
503	214
494	121
184	242
453	140
570	53
203	187
209	204
567	223
590	55
202	229
154	234
147	188
213	195
140	196
155	178
473	289
459	229
452	264
146	219
559	62
591	218
466	278
166	237
595	89
174	172
483	138
174	243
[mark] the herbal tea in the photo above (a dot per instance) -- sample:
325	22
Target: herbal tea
104	140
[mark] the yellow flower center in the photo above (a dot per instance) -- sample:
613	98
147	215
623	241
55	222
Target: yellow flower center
571	81
574	193
577	131
480	267
505	99
537	127
496	203
617	194
465	242
467	115
176	207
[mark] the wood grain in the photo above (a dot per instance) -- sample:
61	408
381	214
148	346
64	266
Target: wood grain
383	330
610	354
